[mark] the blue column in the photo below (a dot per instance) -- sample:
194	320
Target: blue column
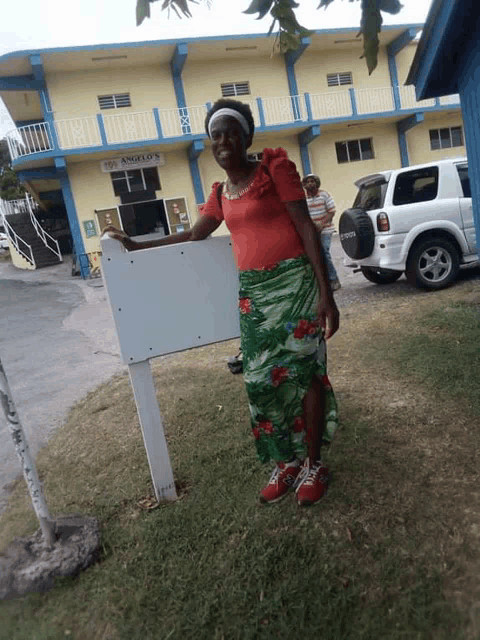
62	175
469	89
402	146
291	58
304	140
353	102
158	123
176	65
261	113
101	128
47	112
393	48
402	127
194	150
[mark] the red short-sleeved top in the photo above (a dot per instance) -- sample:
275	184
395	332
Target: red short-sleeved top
262	230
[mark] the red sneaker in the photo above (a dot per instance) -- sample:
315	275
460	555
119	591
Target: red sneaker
283	479
312	483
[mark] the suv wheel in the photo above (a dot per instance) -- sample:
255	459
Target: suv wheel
380	276
433	264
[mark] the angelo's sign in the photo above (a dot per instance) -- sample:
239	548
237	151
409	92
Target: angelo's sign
137	161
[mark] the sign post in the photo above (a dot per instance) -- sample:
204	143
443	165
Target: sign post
165	300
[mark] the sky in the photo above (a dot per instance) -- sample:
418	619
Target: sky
34	24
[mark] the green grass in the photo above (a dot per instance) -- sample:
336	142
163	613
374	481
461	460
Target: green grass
443	353
371	561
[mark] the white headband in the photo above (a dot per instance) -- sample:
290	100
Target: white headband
233	114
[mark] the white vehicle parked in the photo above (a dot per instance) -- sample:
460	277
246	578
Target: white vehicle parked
3	241
416	220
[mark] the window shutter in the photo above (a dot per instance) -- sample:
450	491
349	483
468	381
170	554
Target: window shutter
122	100
339	79
106	102
232	89
115	101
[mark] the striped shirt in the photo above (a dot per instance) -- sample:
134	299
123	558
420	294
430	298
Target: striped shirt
319	207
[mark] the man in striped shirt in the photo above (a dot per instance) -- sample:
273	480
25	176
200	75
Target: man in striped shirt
322	209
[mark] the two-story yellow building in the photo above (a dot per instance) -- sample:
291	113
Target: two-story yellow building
115	133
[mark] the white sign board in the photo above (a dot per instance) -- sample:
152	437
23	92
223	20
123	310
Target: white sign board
135	161
172	298
165	300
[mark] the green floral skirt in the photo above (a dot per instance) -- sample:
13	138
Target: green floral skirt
283	348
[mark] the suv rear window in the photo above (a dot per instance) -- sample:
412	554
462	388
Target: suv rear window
371	196
419	185
464	179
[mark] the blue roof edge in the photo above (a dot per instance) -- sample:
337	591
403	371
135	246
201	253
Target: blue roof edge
156	43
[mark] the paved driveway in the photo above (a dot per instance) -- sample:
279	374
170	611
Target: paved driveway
57	342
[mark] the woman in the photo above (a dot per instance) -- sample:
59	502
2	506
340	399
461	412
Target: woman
285	301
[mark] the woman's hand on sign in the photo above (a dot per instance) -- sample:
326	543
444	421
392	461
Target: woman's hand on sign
121	236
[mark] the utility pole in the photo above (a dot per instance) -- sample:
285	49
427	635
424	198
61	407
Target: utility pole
47	525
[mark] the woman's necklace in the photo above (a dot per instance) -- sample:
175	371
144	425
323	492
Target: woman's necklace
234	191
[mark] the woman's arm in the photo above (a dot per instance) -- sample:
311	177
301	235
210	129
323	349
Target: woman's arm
328	312
202	228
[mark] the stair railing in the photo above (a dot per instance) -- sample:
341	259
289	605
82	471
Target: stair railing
50	242
24	249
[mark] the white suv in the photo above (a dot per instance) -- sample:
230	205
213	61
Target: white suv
3	241
417	220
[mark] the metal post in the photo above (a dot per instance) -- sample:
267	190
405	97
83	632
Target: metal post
47	525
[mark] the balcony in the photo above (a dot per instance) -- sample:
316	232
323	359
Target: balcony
167	125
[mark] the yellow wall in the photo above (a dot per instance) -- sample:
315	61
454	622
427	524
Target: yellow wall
338	179
75	93
267	78
92	189
404	59
418	139
312	68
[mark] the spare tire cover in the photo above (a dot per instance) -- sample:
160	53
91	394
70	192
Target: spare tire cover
357	234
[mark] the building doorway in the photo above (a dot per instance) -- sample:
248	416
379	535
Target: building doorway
143	218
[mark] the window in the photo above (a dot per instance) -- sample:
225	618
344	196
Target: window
464	179
256	156
354	150
371	196
114	101
339	79
419	185
231	89
135	180
446	138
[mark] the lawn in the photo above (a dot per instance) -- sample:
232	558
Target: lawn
391	552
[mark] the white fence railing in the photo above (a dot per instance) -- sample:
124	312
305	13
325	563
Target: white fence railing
50	242
8	208
184	121
284	110
129	127
408	99
33	138
374	100
75	133
453	99
85	131
334	104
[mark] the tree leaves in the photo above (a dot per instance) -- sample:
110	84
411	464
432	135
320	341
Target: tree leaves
10	187
289	31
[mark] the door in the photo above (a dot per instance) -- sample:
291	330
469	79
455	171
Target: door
144	218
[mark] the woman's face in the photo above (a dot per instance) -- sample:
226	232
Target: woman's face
229	142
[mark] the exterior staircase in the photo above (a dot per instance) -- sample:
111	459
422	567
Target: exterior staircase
23	227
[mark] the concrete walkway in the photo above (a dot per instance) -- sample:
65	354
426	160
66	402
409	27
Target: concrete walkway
57	342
